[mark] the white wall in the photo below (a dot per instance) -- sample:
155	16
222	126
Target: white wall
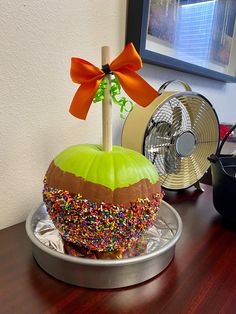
37	39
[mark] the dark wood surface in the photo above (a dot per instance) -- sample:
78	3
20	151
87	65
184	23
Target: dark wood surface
200	279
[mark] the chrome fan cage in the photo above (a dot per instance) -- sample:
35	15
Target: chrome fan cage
178	131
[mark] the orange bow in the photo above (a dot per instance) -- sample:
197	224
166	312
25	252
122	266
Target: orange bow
124	67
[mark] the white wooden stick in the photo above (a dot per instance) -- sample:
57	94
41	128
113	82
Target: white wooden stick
106	105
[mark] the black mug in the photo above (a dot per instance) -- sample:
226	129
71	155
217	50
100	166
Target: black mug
223	171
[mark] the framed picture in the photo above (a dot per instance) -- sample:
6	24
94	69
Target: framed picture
195	36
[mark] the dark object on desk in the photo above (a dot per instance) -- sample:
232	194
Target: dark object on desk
223	169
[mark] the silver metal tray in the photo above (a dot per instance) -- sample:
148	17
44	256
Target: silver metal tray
106	274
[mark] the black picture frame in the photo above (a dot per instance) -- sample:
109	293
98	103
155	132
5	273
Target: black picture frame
137	20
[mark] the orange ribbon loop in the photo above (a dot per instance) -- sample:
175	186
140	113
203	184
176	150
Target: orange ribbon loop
124	67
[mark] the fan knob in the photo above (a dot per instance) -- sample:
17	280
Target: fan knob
185	143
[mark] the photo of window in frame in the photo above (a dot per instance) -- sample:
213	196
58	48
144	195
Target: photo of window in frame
196	36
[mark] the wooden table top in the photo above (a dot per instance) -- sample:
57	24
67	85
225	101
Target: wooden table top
200	279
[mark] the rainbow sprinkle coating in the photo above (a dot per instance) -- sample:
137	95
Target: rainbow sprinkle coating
100	226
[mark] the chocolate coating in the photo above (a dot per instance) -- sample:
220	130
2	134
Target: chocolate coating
56	178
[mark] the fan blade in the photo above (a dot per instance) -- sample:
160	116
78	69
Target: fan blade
176	120
157	143
172	160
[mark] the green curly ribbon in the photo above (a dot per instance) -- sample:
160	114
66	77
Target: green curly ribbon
99	96
125	105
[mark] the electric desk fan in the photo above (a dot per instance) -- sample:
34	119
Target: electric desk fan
177	132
